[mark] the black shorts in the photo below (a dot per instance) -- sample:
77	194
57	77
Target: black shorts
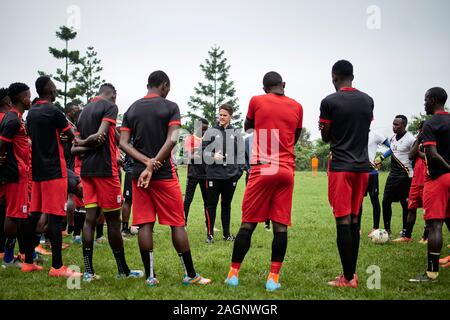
397	188
373	186
127	186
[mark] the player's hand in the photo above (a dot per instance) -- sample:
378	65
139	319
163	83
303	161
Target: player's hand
63	137
157	165
218	156
144	178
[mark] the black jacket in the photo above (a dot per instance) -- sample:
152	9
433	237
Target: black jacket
217	140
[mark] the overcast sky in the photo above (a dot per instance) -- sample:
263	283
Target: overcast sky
399	48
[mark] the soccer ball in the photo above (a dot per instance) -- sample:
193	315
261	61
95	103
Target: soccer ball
380	236
134	230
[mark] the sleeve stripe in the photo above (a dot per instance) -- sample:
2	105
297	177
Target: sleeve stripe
109	120
125	129
430	143
175	123
5	139
324	120
66	128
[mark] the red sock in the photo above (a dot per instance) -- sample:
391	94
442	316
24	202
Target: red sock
236	265
275	267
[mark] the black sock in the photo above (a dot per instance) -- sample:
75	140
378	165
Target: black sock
345	247
99	231
279	246
409	229
79	222
70	229
425	232
188	265
54	231
121	262
2	227
355	245
241	245
87	257
433	262
124	226
149	263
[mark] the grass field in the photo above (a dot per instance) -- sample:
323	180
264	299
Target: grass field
311	260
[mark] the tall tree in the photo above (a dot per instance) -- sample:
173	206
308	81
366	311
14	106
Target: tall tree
217	90
70	58
87	74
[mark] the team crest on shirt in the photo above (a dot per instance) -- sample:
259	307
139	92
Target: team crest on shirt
119	198
25	209
211	184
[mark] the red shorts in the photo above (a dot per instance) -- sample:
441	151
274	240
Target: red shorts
415	198
268	196
162	198
49	196
436	198
16	198
105	192
346	192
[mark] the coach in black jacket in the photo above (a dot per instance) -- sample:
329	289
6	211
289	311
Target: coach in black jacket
224	155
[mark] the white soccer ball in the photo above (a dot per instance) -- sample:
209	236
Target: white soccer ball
380	236
134	230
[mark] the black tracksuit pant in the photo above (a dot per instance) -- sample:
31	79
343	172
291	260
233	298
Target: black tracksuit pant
225	190
191	186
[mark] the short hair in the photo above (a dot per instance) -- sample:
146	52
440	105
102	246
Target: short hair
15	90
105	87
3	93
41	82
272	79
439	94
228	108
404	118
157	78
343	69
203	121
69	107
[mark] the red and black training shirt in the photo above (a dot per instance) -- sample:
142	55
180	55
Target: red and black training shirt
44	125
350	113
12	131
436	131
148	120
101	162
276	118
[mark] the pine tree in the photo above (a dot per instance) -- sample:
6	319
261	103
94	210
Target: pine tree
70	58
87	77
216	91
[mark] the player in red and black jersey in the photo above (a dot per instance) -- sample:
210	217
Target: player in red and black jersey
100	177
14	178
436	192
277	123
345	118
5	106
153	123
45	125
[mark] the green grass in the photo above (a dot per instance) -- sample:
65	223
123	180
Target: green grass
311	260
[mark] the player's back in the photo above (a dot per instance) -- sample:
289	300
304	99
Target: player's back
438	133
277	116
350	113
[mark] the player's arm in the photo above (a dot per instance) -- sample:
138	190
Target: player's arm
415	150
3	145
298	133
78	150
325	131
171	140
325	121
128	148
434	159
249	124
95	139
